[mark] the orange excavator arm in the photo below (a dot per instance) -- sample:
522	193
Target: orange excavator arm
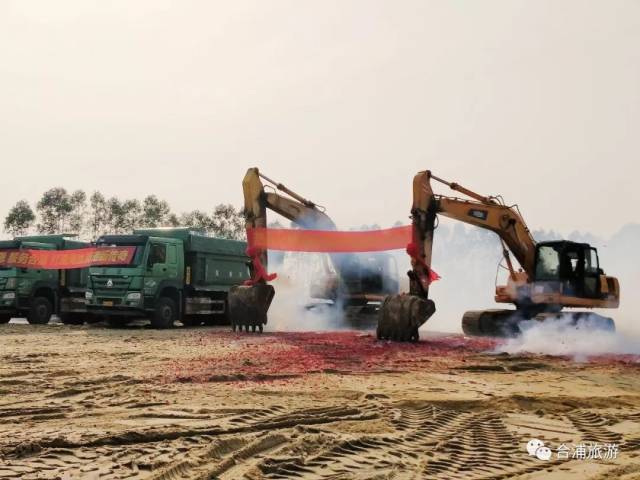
485	212
402	315
570	273
298	209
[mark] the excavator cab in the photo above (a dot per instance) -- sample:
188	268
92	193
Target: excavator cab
570	268
553	275
374	273
362	278
379	274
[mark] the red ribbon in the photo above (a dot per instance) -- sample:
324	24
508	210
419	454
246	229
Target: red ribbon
259	272
329	241
414	252
262	239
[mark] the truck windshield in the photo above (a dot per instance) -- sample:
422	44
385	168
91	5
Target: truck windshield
137	256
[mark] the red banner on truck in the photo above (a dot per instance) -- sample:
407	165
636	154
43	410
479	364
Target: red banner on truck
66	259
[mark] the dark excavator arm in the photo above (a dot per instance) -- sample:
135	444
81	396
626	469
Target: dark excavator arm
297	209
248	303
307	215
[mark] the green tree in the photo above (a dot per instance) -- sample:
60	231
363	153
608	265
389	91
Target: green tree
196	219
115	215
227	222
19	219
78	200
132	214
155	212
99	214
173	220
54	208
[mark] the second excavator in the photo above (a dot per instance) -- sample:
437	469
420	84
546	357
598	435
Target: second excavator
349	281
553	275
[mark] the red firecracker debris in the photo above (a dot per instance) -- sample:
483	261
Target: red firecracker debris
278	356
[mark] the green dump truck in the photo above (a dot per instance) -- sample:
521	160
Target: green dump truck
38	293
175	274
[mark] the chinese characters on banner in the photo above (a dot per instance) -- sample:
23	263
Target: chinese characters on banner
66	259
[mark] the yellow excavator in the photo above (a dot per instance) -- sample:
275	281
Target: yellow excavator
553	275
349	281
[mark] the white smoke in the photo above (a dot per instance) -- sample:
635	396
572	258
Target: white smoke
291	307
620	257
563	337
466	258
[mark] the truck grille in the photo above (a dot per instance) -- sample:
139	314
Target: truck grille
3	282
105	286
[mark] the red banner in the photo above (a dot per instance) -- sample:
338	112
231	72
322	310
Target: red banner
66	259
329	241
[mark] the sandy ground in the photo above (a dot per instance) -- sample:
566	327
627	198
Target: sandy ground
92	402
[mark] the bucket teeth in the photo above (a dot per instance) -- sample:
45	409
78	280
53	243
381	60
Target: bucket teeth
248	306
401	316
247	326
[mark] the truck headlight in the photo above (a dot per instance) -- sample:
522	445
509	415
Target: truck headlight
9	296
134	296
88	295
11	283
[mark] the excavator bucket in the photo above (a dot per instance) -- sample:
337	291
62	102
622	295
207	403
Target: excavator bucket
401	316
248	306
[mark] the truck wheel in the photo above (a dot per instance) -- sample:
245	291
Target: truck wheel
40	311
4	319
165	313
71	318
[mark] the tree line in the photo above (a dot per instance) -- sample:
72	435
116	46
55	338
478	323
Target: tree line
89	216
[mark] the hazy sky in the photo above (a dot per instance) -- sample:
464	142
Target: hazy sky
341	100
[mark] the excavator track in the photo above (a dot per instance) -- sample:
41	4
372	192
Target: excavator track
582	320
491	323
401	316
509	323
248	306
